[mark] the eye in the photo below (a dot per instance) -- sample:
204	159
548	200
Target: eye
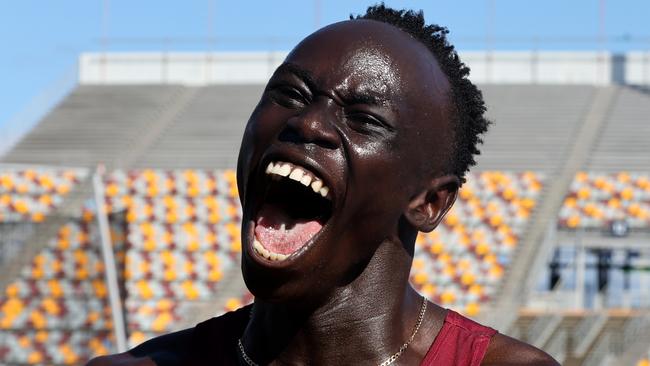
366	123
287	96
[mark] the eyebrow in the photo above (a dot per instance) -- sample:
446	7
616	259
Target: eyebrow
355	97
348	97
306	76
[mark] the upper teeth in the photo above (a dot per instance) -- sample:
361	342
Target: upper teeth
298	174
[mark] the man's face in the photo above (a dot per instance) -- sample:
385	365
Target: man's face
352	125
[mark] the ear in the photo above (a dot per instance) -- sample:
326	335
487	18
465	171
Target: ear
428	207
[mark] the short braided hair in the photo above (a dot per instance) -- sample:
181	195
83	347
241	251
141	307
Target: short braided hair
468	106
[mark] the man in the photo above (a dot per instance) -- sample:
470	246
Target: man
361	139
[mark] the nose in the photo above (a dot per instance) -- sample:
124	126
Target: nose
315	124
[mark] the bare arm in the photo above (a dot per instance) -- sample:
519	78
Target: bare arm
507	351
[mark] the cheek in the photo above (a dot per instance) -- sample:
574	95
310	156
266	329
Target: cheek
265	123
380	166
382	180
261	129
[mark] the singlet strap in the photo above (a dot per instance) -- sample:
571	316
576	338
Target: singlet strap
461	342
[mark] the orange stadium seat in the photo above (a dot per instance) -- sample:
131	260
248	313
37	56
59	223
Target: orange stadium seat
183	235
56	311
595	200
461	263
31	194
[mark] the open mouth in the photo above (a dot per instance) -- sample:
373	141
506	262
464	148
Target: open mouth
295	206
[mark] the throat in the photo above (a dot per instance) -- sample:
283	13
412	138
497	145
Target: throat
361	323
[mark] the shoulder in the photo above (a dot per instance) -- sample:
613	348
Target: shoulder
210	339
121	359
504	350
167	349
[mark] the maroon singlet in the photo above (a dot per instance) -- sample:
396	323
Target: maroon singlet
460	342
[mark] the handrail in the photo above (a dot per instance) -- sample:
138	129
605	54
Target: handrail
110	271
600	351
557	346
587	331
543	328
519	280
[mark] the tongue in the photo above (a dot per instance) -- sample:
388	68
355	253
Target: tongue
296	232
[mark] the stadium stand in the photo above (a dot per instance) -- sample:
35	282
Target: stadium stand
170	150
527	134
596	199
183	235
30	194
94	124
56	312
192	143
623	142
461	263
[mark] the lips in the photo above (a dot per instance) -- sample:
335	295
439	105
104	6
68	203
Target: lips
293	207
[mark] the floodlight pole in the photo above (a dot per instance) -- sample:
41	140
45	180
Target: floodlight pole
602	41
104	38
110	273
317	13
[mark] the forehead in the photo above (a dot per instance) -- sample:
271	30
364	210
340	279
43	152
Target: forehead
373	58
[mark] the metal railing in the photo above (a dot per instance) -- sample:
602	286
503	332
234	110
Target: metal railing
587	331
557	346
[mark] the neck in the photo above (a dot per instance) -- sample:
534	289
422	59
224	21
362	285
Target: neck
365	321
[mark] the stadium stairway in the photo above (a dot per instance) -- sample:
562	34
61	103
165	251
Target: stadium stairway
168	114
533	251
623	144
207	133
585	338
639	347
95	123
528	134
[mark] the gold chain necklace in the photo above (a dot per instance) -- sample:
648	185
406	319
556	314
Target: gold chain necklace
388	361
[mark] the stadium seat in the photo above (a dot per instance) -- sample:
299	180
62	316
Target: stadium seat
56	311
183	234
31	194
596	199
462	262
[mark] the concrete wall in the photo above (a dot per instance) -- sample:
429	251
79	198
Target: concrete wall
591	68
178	68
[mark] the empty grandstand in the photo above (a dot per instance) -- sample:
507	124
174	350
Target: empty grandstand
549	240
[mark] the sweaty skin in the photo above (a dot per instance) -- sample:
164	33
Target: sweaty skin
366	107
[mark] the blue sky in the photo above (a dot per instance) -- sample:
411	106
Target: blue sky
41	40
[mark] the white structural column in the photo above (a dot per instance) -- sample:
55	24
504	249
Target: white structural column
580	263
110	272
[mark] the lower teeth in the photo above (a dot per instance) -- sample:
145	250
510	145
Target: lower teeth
259	248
